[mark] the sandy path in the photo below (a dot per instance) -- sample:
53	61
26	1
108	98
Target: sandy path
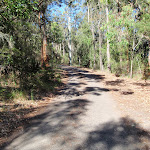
83	116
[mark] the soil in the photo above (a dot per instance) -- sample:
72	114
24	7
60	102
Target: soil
132	97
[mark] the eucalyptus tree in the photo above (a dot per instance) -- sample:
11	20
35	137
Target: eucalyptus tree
107	3
100	22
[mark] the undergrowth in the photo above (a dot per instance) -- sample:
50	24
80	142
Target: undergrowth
29	87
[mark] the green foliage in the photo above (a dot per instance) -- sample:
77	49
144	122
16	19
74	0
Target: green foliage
83	42
20	50
56	33
144	24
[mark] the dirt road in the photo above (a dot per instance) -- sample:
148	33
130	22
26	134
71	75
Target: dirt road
83	116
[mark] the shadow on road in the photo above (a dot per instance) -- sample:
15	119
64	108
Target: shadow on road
62	123
60	119
83	74
72	89
116	82
122	135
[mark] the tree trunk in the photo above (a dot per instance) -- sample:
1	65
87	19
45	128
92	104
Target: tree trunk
93	45
63	50
60	49
132	53
139	65
69	40
44	44
88	12
100	41
128	62
118	7
108	46
94	65
131	68
100	51
149	56
39	21
43	35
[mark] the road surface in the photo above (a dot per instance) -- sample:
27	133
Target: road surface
83	116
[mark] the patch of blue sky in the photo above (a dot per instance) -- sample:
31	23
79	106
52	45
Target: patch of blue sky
57	10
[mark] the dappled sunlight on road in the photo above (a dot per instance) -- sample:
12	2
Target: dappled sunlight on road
83	116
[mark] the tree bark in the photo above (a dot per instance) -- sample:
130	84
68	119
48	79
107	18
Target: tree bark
42	25
39	21
44	40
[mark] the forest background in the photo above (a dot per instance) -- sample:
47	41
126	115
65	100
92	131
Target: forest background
36	36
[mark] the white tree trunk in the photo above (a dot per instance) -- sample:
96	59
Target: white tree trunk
88	12
149	57
100	51
69	40
132	53
108	46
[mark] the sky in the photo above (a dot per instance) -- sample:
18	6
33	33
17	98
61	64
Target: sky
60	10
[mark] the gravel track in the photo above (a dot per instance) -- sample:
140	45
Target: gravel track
83	116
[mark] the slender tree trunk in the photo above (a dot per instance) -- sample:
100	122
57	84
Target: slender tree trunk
108	46
100	51
69	40
79	61
118	7
43	35
60	48
149	55
121	60
93	36
94	65
44	40
132	53
88	12
139	65
100	41
63	52
39	21
131	67
128	62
